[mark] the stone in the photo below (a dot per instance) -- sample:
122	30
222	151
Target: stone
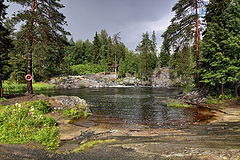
63	102
161	78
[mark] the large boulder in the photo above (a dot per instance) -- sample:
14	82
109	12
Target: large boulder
63	102
161	78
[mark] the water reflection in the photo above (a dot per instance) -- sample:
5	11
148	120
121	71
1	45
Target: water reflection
133	105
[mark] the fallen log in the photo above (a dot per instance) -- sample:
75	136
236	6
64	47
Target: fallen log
205	106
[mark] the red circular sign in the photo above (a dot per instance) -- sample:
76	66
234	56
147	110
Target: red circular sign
28	77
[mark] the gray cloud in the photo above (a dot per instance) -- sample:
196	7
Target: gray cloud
130	17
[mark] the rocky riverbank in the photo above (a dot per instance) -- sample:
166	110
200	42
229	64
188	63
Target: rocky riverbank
160	78
217	140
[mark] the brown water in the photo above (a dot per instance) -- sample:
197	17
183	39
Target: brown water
128	106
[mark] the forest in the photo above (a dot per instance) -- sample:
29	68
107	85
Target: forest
201	46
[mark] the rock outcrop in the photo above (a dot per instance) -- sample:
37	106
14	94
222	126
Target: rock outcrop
161	78
63	102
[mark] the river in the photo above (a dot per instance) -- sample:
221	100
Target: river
128	106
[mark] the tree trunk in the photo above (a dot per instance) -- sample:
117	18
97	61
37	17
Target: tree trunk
1	90
39	68
116	58
29	64
222	89
197	43
140	69
8	56
236	89
146	63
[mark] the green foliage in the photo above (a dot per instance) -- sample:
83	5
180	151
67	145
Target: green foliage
2	99
104	66
83	69
82	85
219	100
177	104
213	100
182	68
221	59
129	64
41	39
164	58
5	40
72	113
15	87
41	105
182	28
148	58
22	123
76	113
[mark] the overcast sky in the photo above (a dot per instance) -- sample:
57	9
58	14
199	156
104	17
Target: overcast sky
130	17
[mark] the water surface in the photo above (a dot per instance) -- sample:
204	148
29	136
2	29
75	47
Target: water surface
126	106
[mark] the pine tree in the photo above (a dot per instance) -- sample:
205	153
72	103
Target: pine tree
184	28
181	31
43	24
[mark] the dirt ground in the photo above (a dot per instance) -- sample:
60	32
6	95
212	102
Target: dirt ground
218	139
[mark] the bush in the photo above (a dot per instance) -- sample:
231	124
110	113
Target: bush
76	113
83	69
72	113
22	123
2	99
42	106
213	100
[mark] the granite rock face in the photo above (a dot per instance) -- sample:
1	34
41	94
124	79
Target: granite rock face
161	78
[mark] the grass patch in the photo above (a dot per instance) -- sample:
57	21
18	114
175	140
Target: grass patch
177	104
90	144
22	123
43	86
15	87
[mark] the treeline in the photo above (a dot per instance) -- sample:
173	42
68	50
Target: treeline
219	49
106	52
41	46
81	57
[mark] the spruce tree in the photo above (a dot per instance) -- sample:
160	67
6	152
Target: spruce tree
147	56
5	41
220	63
96	49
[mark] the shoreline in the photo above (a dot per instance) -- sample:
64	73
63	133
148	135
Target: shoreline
198	141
